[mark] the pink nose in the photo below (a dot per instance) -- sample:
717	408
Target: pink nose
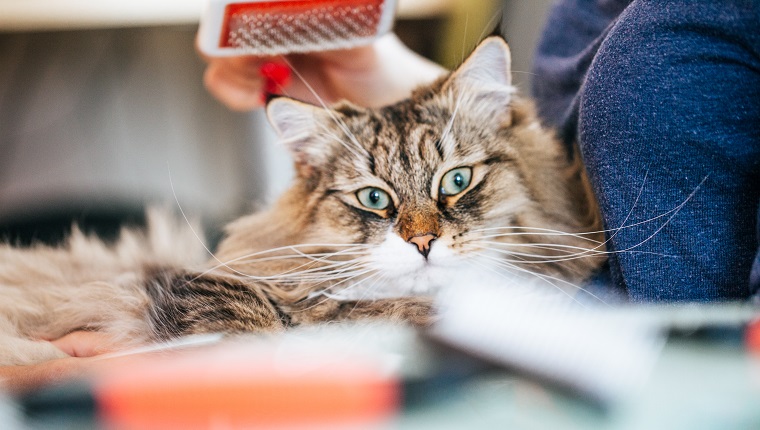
423	242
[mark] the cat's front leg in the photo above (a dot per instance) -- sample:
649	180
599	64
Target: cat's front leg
413	310
184	303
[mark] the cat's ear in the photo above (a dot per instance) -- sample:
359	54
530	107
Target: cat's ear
297	125
484	80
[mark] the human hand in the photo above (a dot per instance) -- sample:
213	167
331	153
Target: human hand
79	345
374	75
84	343
21	379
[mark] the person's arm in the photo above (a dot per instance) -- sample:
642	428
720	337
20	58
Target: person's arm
668	127
374	75
569	41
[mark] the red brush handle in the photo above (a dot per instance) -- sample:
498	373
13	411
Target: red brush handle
276	77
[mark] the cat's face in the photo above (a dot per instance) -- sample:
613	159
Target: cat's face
430	188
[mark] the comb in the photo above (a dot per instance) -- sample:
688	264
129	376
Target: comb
278	27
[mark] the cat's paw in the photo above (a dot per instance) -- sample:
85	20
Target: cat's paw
20	379
416	311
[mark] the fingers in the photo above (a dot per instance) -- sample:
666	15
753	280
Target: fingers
235	83
20	379
242	83
373	75
84	343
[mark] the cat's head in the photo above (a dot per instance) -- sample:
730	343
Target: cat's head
459	177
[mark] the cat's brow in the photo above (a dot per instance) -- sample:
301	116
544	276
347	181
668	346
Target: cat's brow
499	158
439	147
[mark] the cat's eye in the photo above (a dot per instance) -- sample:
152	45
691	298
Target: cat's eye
373	198
455	181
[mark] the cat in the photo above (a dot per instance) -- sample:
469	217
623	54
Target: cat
458	183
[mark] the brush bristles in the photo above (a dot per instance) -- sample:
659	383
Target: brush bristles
274	28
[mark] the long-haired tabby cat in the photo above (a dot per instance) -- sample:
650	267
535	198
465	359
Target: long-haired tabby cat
456	184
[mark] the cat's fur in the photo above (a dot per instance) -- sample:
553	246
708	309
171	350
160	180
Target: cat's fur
318	254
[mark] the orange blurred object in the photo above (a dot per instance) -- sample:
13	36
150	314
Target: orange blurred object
752	337
231	387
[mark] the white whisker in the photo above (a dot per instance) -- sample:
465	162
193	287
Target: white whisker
324	257
557	258
518	272
547	246
293	248
328	133
330	296
342	125
491	24
536	231
450	125
546	258
674	212
189	224
375	278
544	277
315	272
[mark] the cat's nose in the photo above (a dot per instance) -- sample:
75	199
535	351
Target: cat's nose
423	242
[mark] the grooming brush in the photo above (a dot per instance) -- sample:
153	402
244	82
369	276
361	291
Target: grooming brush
278	27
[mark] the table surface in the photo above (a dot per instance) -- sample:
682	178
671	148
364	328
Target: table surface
696	384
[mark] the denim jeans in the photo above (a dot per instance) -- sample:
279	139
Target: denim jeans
663	98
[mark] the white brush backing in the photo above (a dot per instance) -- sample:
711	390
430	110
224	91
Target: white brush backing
269	28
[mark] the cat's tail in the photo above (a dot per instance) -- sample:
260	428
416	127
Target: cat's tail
89	284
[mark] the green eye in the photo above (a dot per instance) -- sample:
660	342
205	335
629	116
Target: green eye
373	198
455	181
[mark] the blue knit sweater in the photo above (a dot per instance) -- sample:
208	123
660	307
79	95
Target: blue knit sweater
663	98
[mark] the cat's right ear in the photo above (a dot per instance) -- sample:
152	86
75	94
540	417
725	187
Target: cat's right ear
297	125
483	83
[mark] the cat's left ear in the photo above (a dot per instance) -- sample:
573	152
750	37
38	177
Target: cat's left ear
297	125
484	81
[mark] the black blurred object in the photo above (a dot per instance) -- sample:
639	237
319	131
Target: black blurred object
53	228
421	35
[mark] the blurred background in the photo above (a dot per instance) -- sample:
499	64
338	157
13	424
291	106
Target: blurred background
103	110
